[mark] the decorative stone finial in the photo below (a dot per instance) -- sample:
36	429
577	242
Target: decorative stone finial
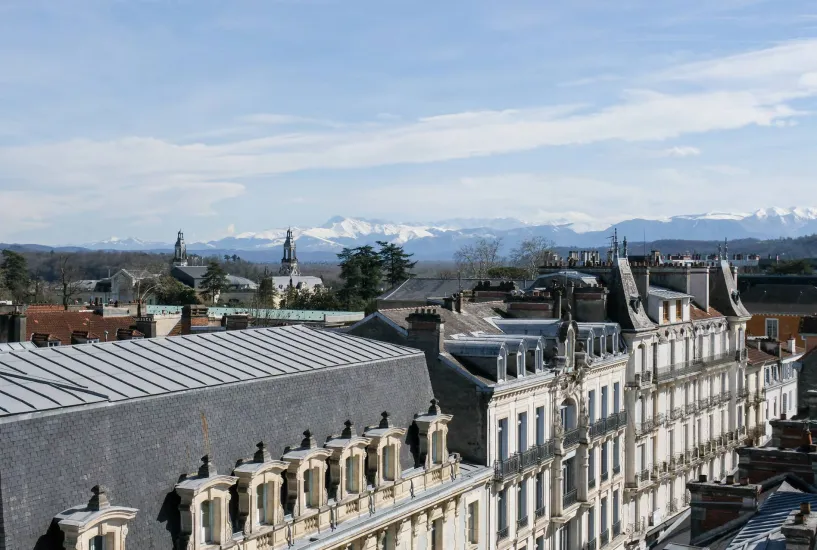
262	454
308	441
207	468
100	499
435	407
349	430
384	420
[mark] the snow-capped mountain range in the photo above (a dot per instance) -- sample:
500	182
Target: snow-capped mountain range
439	240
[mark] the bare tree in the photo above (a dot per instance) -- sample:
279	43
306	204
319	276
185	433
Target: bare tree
474	260
69	279
531	254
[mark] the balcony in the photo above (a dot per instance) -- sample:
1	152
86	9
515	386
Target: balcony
605	537
743	393
591	483
519	462
643	428
610	424
691	408
616	469
502	534
635	529
672	507
590	545
661	470
726	396
684	368
677	413
704	403
521	523
572	437
741	355
570	498
725	357
541	512
605	475
641	379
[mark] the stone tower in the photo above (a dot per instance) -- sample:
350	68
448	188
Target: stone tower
180	251
289	263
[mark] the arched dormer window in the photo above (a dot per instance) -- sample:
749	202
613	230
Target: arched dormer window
433	432
383	459
95	525
204	507
502	365
347	474
306	475
259	491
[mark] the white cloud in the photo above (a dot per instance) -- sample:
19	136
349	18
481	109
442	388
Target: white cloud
163	176
680	151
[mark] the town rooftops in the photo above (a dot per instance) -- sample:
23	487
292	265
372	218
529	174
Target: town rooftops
60	325
420	289
474	317
271	314
565	276
51	378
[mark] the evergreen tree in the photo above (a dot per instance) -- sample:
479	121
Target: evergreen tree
214	281
361	269
397	265
15	275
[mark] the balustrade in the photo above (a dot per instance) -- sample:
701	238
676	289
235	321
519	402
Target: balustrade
570	498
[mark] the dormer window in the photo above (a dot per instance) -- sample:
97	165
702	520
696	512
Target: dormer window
383	459
346	475
306	472
97	525
204	507
433	433
259	491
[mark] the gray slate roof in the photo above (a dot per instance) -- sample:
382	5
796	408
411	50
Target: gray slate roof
49	378
667	294
781	298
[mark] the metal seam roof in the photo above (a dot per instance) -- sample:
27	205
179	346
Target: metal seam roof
52	378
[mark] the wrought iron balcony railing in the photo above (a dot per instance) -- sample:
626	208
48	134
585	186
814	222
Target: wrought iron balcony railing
691	408
591	483
743	392
590	545
521	523
610	424
570	498
519	462
677	413
541	512
617	528
502	534
616	469
571	437
605	537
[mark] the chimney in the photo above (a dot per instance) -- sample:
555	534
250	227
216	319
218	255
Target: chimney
715	504
792	345
194	316
800	528
458	298
642	281
557	303
237	322
426	332
147	325
17	327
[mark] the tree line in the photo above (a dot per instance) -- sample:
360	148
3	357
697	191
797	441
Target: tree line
483	260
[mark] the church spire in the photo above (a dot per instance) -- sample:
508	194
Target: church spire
289	262
180	251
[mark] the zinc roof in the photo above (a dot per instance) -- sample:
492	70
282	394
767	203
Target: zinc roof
114	371
667	294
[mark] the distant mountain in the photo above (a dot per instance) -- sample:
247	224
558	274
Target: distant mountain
439	240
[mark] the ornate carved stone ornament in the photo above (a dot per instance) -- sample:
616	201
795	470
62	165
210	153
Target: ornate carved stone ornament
635	303
736	296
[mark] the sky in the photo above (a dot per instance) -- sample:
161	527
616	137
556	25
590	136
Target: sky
135	118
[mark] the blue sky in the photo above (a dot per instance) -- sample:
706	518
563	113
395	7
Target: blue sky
137	117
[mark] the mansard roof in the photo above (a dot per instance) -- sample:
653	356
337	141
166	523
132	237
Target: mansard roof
52	378
625	303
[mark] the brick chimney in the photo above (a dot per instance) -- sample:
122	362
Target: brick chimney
146	324
715	504
194	316
426	332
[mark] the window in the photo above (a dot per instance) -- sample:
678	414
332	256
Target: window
352	474
473	523
591	466
311	487
540	542
502	439
603	514
388	462
540	493
437	447
261	507
591	405
522	432
604	458
502	510
768	375
540	425
616	517
665	306
522	501
723	382
207	511
616	398
591	523
97	543
564	537
679	310
616	452
772	329
740	416
437	534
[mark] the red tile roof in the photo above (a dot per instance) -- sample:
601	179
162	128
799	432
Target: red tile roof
61	324
756	356
697	314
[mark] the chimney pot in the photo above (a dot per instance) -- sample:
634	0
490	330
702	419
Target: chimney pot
744	481
730	480
805	508
702	478
798	519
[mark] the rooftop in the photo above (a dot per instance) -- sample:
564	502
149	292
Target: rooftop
422	288
61	324
51	378
781	298
474	317
667	294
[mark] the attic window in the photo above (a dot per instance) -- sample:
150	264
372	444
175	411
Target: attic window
96	526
